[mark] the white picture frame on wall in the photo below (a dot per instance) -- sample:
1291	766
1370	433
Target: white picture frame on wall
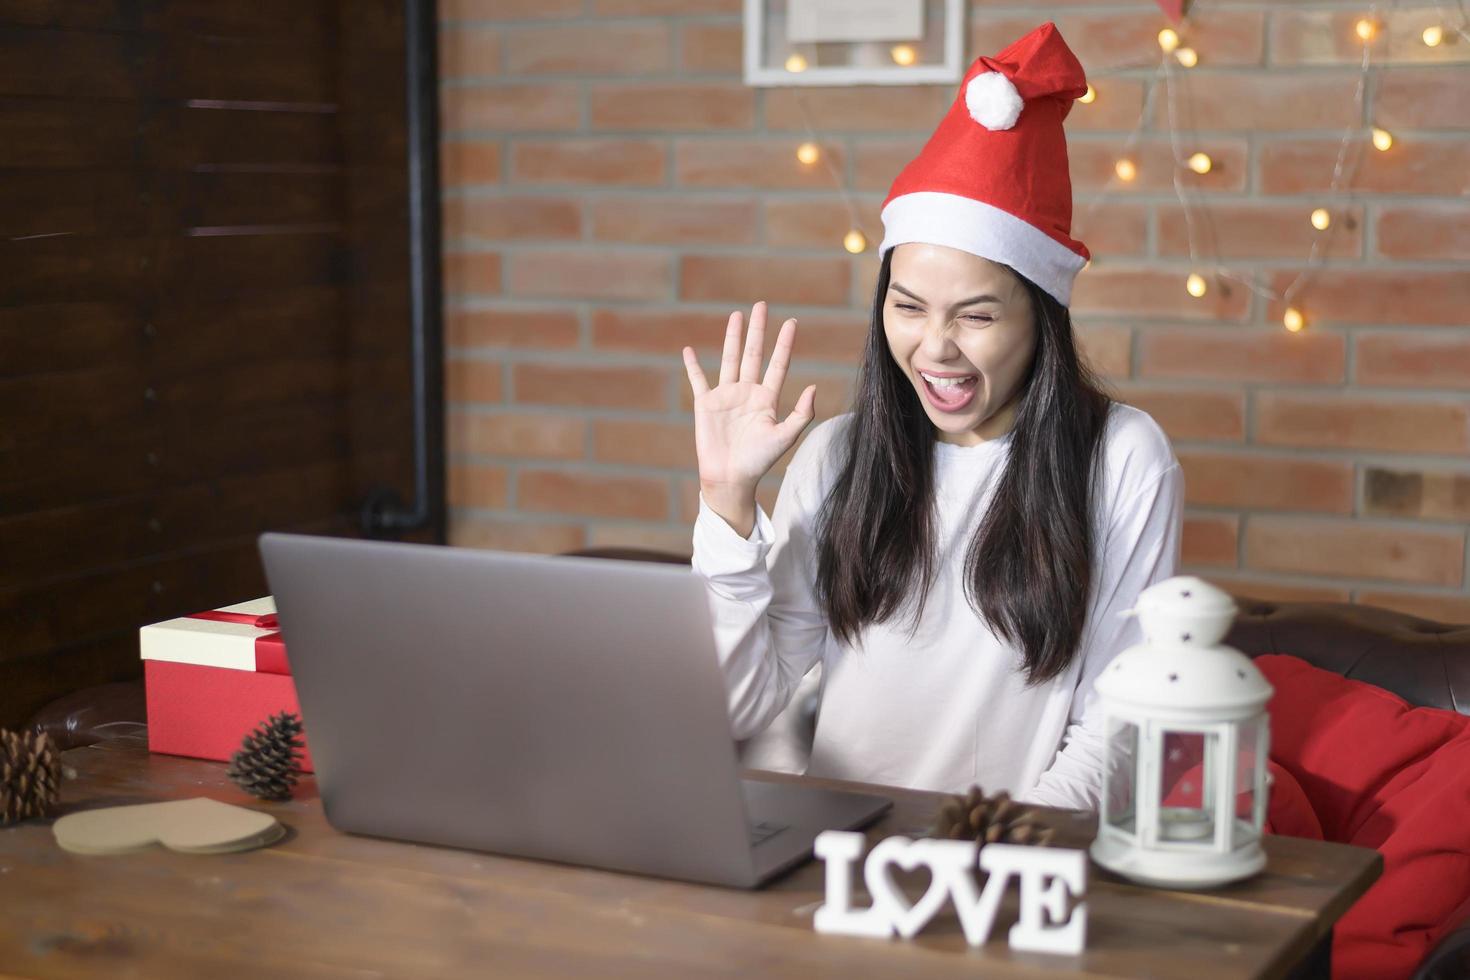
939	49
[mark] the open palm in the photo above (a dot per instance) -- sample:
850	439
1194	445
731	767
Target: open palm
737	436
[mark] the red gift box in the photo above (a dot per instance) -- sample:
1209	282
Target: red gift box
213	677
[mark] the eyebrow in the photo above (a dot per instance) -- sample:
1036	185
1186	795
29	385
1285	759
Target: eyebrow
983	298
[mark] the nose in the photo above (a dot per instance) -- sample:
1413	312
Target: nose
937	345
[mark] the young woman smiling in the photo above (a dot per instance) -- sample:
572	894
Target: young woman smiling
956	550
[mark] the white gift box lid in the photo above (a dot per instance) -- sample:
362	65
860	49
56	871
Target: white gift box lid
208	642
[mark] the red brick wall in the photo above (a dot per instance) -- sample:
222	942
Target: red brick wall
613	191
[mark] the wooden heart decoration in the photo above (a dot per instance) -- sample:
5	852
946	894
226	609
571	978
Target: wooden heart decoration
902	853
197	826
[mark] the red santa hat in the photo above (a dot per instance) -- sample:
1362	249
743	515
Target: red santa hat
993	179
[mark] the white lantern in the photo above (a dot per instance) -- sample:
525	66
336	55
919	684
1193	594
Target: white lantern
1185	782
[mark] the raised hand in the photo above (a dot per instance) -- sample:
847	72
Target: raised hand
737	436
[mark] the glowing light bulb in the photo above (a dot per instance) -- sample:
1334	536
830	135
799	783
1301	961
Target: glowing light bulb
904	54
1187	57
1293	319
1126	169
1089	97
807	153
1382	139
1201	163
796	63
1433	36
854	241
1195	285
1168	39
1366	29
1321	218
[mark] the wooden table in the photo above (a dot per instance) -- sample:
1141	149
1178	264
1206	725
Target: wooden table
326	904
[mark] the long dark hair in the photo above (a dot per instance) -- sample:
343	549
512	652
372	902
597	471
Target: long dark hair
1030	562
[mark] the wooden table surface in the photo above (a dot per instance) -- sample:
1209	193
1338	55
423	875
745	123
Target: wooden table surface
327	904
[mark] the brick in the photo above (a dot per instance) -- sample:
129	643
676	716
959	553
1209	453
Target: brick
1117	106
1209	540
663	8
468	380
466	52
1415	360
502	218
1150	292
653	537
1273	230
1093	162
468	162
1422	98
604	387
478	485
592	494
1111	228
588	161
1376	296
877	162
671	219
606	49
682	105
711	48
1353	549
471	272
471	10
818	222
498	108
591	275
1440	231
667	445
1191	414
1260	100
1260	482
858	108
530	434
1246	587
745	279
1259	354
526	536
1119	39
511	327
1328	37
1424	167
865	280
1436	495
718	162
1439	607
834	338
1356	422
1108	349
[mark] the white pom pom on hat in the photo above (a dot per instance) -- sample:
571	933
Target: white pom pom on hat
993	100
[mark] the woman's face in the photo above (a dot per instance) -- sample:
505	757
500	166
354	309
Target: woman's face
968	321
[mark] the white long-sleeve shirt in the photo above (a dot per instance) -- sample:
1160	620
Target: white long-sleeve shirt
947	706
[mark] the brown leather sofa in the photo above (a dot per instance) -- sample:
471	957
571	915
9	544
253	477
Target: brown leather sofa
1424	662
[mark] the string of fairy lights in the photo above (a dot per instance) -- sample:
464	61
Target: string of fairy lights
1178	53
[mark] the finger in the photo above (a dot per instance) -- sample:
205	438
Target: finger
801	415
697	380
755	344
730	358
780	357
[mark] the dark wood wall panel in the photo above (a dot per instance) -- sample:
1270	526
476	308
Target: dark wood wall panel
204	320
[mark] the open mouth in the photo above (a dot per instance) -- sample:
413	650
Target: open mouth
949	394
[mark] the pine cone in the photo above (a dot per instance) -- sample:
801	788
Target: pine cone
269	761
990	820
30	776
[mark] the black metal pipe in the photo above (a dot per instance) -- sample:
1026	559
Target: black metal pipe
383	513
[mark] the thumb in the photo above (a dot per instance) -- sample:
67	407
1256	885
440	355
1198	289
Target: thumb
801	415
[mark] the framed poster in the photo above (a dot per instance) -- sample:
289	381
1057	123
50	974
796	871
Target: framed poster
854	42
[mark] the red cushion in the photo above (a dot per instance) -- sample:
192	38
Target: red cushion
1288	811
1380	773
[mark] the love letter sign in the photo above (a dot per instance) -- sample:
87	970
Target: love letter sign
1048	877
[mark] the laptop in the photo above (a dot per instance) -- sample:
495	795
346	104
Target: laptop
559	708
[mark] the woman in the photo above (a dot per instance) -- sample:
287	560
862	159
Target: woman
956	550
